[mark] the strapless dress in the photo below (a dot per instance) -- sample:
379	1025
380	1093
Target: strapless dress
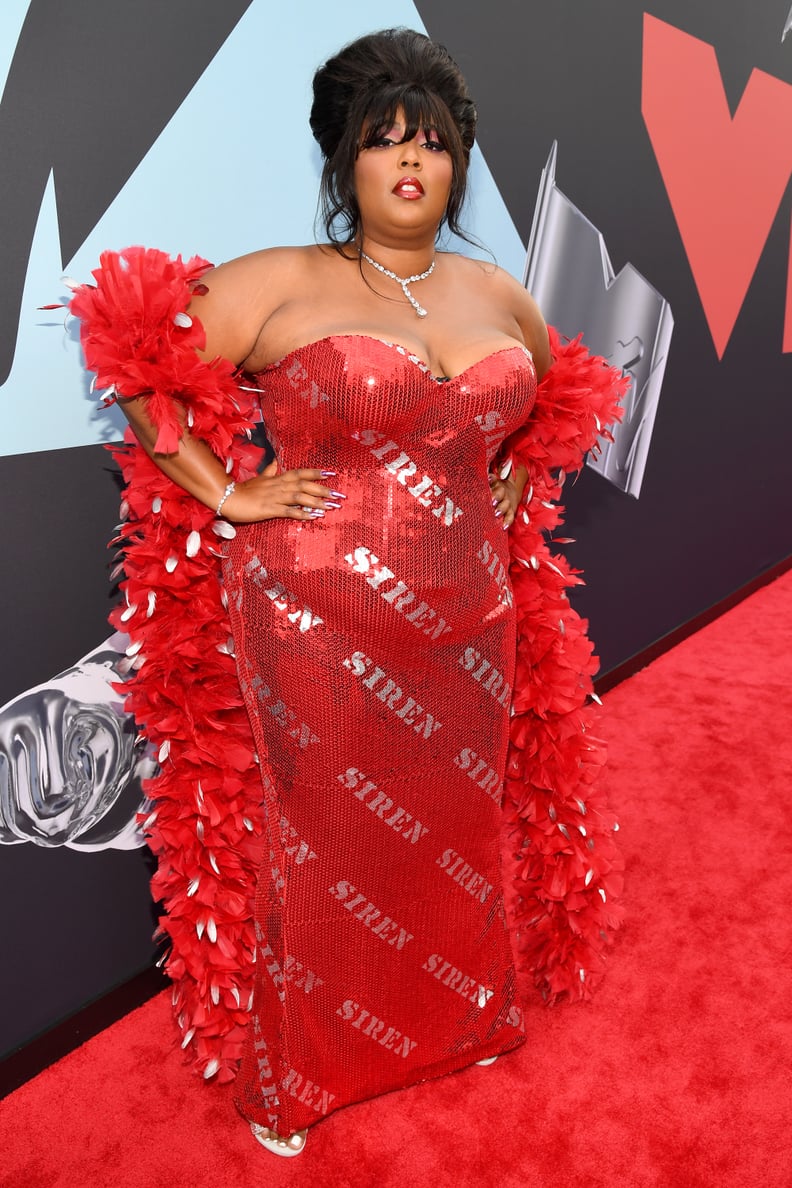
376	651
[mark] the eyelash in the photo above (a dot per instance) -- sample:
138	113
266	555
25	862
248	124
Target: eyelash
386	142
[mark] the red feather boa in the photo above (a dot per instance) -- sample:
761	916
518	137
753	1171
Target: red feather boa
206	825
562	868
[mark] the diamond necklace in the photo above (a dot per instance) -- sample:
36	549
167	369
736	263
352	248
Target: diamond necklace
404	281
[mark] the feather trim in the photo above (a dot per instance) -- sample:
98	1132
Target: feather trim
206	822
562	871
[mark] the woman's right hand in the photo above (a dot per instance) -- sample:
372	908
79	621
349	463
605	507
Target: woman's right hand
289	494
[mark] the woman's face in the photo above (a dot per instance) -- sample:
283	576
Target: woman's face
403	187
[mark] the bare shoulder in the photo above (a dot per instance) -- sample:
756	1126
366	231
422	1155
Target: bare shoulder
240	295
263	268
514	301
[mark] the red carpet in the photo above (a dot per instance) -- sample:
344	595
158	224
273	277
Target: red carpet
677	1075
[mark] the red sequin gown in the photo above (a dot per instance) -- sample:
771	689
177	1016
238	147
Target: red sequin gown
376	649
341	893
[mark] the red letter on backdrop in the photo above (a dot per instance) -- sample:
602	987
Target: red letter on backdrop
788	321
725	177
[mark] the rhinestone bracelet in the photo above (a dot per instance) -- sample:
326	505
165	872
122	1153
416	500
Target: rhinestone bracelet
228	491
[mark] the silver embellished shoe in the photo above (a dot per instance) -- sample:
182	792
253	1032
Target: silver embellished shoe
285	1147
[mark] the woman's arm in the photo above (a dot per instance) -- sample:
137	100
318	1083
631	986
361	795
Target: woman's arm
233	303
294	494
534	330
508	491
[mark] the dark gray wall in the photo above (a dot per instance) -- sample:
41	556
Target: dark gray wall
716	504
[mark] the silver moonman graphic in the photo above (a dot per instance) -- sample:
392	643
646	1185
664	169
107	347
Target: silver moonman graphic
569	272
71	760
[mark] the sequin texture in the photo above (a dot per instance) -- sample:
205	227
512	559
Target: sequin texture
376	652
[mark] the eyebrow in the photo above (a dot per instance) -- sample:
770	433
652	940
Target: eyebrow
396	126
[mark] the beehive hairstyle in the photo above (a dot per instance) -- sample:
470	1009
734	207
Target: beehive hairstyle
357	94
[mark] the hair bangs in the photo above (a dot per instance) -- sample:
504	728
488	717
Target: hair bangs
421	110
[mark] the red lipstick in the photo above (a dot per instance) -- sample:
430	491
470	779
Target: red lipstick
408	187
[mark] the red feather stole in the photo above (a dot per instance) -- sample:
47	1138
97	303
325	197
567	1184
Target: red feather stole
205	826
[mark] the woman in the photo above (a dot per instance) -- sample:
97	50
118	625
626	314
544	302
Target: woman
373	624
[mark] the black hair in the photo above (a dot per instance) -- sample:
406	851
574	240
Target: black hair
357	94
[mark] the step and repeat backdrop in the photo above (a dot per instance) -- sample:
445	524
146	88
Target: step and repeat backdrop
633	168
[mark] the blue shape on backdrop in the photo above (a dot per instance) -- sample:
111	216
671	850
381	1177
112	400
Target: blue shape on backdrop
235	169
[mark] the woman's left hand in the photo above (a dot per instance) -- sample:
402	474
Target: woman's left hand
505	498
